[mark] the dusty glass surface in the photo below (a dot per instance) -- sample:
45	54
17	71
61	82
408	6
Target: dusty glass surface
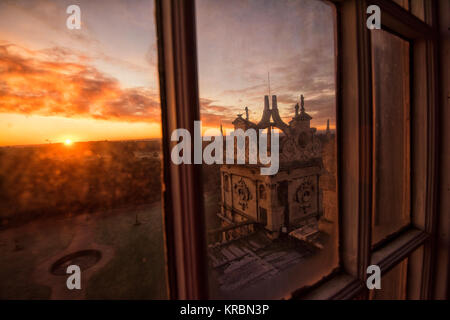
418	9
80	156
403	3
270	66
391	85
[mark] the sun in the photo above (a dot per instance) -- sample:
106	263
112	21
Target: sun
68	142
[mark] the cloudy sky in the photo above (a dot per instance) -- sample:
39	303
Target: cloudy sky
241	41
100	82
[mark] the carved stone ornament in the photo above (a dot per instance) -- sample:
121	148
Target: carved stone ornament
243	193
305	193
303	147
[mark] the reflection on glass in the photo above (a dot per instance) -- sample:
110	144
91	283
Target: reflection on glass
80	156
273	64
390	71
393	284
418	9
403	3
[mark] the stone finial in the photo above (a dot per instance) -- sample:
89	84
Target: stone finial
266	103
274	102
302	115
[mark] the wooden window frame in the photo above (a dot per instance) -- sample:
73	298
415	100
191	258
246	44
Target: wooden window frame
184	219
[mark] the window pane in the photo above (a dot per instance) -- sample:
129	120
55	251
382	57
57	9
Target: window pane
418	9
390	71
80	156
403	3
273	64
393	284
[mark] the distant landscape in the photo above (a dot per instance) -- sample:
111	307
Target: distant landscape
58	198
54	179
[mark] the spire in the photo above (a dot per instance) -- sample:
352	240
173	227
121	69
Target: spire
276	116
274	102
303	116
246	113
266	103
302	102
265	120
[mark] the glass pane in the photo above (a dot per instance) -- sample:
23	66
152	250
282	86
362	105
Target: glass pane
403	3
80	156
418	9
393	284
390	71
273	64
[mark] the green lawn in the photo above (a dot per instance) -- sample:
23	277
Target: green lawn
136	271
36	241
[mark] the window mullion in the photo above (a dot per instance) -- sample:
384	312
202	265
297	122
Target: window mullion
183	206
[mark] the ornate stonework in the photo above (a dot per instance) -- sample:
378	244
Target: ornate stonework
289	199
305	193
300	147
243	193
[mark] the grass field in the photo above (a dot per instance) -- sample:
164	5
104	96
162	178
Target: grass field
135	271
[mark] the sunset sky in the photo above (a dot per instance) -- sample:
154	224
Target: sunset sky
100	82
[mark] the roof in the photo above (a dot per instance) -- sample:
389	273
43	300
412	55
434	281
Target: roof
239	119
303	115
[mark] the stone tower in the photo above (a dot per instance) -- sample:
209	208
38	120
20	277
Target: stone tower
287	201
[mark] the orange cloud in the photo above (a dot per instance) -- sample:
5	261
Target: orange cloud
34	82
212	114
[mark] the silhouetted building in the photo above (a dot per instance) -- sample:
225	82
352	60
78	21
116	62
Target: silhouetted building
287	202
